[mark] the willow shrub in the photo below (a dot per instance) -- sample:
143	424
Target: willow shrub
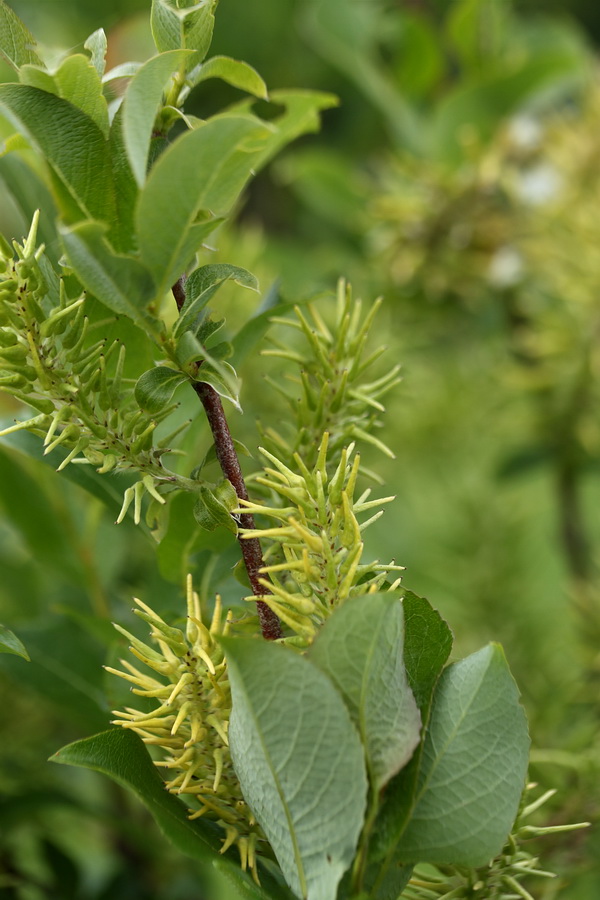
321	746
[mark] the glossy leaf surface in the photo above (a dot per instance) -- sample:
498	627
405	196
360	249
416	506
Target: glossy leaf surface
155	388
235	72
141	105
10	643
121	755
200	171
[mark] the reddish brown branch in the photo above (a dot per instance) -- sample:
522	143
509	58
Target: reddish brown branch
230	466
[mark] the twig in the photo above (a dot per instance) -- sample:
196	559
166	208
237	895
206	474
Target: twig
230	466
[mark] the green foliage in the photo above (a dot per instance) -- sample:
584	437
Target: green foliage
303	775
349	754
454	765
121	755
10	643
360	650
16	41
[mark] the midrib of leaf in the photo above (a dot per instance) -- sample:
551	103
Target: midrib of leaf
292	830
452	736
389	856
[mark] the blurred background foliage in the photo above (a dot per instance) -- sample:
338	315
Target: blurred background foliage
460	178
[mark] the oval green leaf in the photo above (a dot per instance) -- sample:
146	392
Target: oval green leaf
121	755
120	282
210	512
141	106
72	145
77	81
203	284
16	41
97	46
299	761
427	645
360	649
235	72
302	115
202	170
183	25
155	388
473	766
10	643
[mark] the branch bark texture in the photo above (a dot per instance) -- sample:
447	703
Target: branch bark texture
230	466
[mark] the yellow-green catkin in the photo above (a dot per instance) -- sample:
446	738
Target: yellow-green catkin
332	390
314	556
56	361
190	722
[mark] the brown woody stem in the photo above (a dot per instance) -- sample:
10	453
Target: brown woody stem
230	466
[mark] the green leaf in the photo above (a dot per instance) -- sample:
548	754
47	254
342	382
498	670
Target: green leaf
212	510
122	233
143	100
301	116
72	145
222	377
427	646
473	766
123	70
360	650
30	193
10	643
155	388
77	81
201	286
185	25
299	761
120	282
375	886
200	171
188	351
16	41
121	755
234	72
97	45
